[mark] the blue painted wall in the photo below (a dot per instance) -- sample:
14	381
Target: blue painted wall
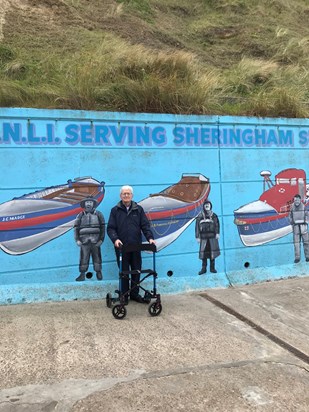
43	148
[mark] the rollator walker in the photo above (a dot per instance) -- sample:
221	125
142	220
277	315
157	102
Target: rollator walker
118	303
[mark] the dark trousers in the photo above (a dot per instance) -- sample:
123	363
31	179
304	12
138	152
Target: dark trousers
87	250
130	261
300	233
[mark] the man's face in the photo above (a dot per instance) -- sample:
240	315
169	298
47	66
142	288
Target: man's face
126	197
89	205
296	201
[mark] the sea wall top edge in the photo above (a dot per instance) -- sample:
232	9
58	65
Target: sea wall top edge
64	114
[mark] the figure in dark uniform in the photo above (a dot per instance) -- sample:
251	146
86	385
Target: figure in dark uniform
207	233
89	233
299	221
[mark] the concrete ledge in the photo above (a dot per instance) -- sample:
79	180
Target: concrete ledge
94	290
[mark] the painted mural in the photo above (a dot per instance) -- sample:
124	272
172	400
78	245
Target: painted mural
173	209
267	218
29	221
281	209
207	233
299	218
176	164
89	234
36	218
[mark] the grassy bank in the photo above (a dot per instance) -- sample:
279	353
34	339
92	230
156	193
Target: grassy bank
233	57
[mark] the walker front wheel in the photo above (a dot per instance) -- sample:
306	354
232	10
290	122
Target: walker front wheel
119	311
155	309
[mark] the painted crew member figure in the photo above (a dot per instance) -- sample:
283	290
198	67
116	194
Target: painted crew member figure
299	221
89	233
207	233
127	222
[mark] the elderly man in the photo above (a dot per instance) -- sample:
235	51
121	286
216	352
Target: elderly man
127	222
89	233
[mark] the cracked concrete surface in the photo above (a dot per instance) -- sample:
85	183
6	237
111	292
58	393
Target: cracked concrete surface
59	396
74	356
110	393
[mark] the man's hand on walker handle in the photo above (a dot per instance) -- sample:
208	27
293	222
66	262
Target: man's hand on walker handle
118	243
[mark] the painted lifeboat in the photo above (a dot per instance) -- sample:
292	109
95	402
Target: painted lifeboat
29	221
173	209
267	218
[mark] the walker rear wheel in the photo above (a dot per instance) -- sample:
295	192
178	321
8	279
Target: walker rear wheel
155	309
119	311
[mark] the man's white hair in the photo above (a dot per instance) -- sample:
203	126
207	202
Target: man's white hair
126	187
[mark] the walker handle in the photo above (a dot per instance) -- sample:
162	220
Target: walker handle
139	247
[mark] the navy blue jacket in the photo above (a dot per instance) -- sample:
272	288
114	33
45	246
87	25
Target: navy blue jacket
128	226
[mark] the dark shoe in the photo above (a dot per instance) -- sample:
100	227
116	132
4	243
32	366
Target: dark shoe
139	299
202	271
307	259
212	266
99	276
147	297
80	278
296	260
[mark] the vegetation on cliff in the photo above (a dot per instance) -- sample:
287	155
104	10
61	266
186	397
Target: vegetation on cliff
227	57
